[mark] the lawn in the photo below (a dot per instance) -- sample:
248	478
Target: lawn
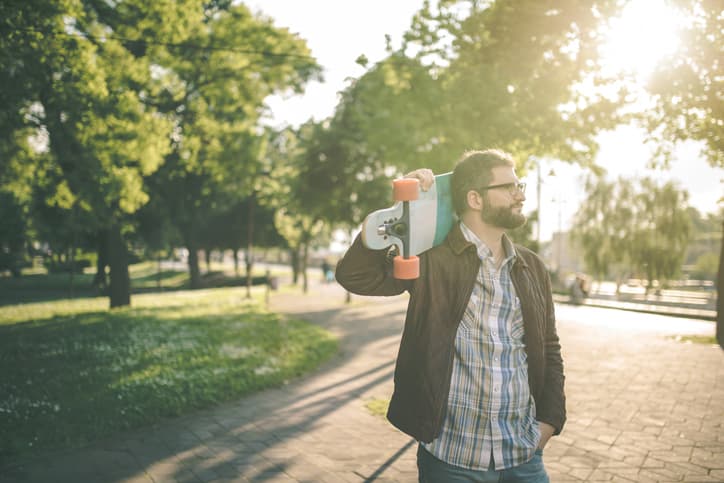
36	285
74	371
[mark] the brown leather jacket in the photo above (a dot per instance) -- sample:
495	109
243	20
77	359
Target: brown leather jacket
437	302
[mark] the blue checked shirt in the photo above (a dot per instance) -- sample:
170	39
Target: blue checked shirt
490	420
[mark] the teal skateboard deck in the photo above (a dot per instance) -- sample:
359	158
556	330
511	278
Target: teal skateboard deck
414	226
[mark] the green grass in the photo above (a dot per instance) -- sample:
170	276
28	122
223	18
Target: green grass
74	371
378	407
36	285
697	339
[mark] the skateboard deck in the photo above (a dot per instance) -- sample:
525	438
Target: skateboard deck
428	220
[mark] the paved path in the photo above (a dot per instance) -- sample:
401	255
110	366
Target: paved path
642	407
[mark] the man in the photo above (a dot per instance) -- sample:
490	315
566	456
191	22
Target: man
479	374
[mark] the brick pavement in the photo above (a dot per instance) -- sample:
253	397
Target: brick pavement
642	407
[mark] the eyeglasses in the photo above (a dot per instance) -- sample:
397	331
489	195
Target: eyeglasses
513	188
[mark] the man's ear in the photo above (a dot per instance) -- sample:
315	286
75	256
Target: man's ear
475	200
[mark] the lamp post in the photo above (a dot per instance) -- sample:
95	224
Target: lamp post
537	192
539	186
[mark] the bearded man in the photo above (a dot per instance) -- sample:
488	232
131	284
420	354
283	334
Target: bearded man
479	374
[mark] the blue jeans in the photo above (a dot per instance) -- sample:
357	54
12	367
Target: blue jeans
432	470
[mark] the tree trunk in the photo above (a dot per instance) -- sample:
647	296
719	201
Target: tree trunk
158	271
294	253
120	287
249	266
71	264
305	257
207	256
100	281
194	270
250	243
236	262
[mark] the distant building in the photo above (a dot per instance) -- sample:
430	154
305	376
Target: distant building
562	256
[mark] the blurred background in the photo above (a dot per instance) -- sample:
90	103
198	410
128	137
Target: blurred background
207	137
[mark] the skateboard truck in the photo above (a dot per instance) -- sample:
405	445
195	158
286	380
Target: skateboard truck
405	266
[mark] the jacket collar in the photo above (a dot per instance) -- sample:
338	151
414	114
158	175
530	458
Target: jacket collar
458	244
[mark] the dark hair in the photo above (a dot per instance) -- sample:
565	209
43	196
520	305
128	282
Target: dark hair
473	171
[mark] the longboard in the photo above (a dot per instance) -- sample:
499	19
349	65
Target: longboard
415	223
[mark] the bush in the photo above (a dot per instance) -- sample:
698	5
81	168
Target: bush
11	262
77	266
706	266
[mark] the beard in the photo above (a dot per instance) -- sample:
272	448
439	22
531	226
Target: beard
502	216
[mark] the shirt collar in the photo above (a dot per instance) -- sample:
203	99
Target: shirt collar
483	250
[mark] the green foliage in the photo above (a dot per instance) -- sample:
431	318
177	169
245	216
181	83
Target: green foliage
470	75
602	225
641	227
705	267
506	75
687	88
696	339
80	372
112	92
13	233
661	231
215	98
378	407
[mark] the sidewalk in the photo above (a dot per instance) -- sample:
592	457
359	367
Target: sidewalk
642	407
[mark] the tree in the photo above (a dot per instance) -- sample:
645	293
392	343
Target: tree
300	231
81	91
507	75
661	231
302	204
702	253
15	202
469	75
637	226
214	95
687	88
602	227
12	233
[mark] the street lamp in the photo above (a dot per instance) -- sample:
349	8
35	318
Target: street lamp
539	184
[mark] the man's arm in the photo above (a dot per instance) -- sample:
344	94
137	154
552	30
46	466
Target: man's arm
552	409
368	272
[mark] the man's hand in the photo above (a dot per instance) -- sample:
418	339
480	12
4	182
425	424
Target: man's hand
546	431
424	175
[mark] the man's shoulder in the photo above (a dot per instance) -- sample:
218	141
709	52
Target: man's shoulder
441	250
526	252
530	256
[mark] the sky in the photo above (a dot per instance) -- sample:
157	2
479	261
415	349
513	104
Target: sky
338	32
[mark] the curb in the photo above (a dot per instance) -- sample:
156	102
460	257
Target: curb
671	311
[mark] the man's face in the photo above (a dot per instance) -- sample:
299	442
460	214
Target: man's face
503	206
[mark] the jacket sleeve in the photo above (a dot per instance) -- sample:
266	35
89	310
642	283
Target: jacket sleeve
553	409
368	272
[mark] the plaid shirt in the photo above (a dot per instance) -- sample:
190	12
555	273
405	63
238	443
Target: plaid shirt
490	419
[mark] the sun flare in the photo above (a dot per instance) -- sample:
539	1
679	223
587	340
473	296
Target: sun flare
645	33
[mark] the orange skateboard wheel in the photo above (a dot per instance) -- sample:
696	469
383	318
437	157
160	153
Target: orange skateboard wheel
406	189
406	268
